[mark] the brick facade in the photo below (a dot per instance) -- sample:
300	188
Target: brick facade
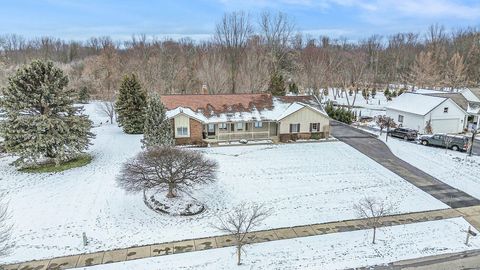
301	136
196	136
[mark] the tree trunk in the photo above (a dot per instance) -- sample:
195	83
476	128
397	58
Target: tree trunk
374	234
239	254
170	193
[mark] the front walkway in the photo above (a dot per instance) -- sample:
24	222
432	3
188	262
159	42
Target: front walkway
471	214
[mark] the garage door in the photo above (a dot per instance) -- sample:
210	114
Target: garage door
446	126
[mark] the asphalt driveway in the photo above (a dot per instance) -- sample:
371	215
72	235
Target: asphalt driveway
374	148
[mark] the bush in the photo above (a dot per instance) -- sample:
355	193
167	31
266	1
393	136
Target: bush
340	114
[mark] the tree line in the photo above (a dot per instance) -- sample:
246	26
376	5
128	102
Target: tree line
249	54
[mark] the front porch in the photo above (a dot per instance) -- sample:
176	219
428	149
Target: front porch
237	131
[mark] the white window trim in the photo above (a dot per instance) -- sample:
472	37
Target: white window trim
403	118
316	129
180	134
258	124
239	126
296	125
222	126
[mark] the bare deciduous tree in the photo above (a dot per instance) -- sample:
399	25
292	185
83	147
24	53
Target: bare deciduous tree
5	228
385	122
373	210
232	33
241	221
108	109
447	140
169	168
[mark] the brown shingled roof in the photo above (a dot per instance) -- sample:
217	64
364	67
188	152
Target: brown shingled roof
219	103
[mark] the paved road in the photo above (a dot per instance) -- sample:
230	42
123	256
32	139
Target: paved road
374	148
467	260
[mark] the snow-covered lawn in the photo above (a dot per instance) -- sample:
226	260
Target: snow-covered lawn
452	168
333	251
303	183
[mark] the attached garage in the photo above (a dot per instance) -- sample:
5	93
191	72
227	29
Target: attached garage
445	125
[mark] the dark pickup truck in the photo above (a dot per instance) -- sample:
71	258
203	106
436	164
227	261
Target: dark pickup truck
404	133
454	142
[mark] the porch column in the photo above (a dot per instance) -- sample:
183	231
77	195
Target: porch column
478	122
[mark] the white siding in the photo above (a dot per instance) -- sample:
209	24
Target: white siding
304	117
452	121
182	120
410	120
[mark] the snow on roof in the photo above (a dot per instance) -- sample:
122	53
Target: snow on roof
279	109
470	96
415	103
427	91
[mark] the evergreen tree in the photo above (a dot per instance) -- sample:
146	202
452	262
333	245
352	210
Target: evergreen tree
293	88
277	85
130	105
83	95
41	121
158	128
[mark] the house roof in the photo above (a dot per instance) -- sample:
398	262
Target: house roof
237	107
217	104
476	92
458	98
415	103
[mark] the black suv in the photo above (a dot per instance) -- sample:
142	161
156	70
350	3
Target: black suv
404	133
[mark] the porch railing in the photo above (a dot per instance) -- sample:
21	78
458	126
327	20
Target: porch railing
243	136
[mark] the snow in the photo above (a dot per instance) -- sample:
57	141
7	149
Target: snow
379	102
415	103
331	251
304	183
279	111
448	166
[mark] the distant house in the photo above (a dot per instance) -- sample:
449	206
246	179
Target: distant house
414	110
467	99
200	119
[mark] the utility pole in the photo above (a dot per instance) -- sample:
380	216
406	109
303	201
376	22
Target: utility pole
474	132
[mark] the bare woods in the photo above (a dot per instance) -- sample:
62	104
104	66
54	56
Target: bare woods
251	53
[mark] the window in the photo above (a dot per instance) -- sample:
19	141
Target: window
222	126
258	124
400	118
211	127
294	128
445	110
182	131
314	127
239	126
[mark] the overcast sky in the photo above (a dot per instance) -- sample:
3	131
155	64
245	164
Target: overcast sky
354	19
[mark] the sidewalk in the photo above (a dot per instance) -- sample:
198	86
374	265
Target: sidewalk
471	214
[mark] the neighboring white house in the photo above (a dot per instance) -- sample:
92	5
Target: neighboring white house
412	110
467	99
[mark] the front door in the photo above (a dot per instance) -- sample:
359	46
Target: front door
211	129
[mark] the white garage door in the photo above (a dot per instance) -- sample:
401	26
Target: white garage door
446	126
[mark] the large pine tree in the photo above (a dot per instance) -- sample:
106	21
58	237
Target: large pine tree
41	119
158	128
130	105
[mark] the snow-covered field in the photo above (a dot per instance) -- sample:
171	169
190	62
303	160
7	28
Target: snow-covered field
452	168
303	183
379	102
333	251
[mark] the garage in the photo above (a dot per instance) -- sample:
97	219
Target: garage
446	126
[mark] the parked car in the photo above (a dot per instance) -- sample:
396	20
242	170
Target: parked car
404	133
454	142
